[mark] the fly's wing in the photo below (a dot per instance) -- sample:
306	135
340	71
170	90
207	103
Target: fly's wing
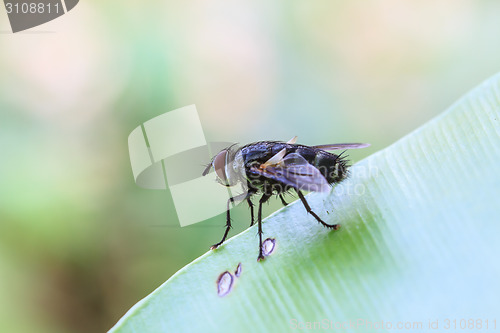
337	146
279	156
295	171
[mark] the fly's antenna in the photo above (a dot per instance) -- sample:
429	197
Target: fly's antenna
207	168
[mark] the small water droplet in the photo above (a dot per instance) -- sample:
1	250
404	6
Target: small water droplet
224	283
268	246
237	272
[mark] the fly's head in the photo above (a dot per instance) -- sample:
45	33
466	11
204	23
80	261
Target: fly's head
223	165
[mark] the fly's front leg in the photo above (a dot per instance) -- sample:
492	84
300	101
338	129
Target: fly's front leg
262	200
309	210
250	204
228	218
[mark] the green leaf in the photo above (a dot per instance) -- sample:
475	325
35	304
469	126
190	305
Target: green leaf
418	245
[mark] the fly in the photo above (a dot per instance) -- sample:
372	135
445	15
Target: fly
269	168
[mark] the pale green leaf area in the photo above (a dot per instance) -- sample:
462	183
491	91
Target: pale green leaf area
419	241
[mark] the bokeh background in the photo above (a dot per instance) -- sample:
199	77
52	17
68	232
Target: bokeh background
80	243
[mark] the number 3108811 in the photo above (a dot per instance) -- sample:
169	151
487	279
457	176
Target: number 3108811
32	8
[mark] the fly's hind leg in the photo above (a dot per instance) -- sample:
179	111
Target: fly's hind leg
309	210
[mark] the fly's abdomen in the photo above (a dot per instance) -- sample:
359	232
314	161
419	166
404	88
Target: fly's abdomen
332	167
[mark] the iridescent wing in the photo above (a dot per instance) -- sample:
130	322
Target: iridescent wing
337	146
293	170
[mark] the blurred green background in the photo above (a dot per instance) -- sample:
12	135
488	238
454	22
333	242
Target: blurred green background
80	243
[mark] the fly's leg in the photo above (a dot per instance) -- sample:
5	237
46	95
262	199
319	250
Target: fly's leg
250	204
228	218
262	200
283	200
309	210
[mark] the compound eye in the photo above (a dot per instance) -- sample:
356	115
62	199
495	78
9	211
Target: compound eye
220	165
